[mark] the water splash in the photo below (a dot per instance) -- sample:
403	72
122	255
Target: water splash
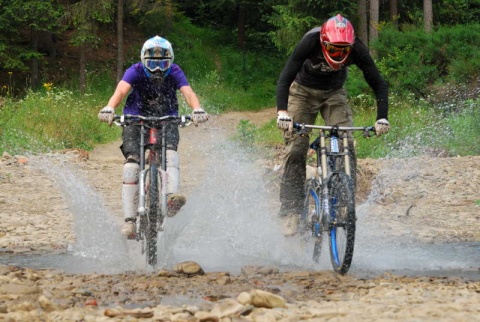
97	237
378	249
230	220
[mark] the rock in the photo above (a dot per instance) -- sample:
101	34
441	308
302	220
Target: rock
266	299
228	307
46	304
166	273
244	298
136	313
249	271
189	268
18	289
207	317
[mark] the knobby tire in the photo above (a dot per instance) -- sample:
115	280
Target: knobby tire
310	224
152	215
342	221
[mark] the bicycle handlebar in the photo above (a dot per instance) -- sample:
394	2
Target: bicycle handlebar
300	126
130	118
366	129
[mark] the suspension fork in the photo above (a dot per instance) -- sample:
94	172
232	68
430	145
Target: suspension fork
164	175
346	150
143	172
325	173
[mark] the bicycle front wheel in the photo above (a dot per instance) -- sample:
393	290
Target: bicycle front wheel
341	221
310	226
153	208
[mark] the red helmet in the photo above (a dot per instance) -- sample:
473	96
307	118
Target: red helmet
337	37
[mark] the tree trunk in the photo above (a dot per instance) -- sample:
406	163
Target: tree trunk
394	13
373	26
242	17
427	15
120	40
34	79
83	69
362	28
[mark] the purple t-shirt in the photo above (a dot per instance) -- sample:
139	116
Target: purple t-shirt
150	99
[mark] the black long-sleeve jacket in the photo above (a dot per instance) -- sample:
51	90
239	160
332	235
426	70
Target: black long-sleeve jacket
308	67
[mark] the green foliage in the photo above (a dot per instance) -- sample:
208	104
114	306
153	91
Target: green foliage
246	132
85	16
290	27
448	54
418	127
226	78
20	17
452	12
52	119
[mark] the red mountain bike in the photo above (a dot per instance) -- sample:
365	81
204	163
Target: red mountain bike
152	203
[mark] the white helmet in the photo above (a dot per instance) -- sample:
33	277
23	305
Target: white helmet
157	57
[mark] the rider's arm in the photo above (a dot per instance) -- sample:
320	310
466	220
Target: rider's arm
190	97
365	62
123	88
295	62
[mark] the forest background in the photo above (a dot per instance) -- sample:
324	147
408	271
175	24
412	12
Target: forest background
60	61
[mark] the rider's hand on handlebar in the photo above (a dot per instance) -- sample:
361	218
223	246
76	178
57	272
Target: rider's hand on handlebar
106	115
284	122
199	116
381	127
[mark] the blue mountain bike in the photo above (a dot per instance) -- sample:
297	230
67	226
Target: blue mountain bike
329	206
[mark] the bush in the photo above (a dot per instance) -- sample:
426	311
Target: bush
412	60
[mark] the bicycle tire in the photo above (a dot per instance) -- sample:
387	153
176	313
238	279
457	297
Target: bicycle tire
310	223
341	221
152	202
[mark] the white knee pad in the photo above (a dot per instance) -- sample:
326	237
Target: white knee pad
131	171
130	189
173	170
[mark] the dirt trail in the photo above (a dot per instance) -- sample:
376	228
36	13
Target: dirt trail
429	201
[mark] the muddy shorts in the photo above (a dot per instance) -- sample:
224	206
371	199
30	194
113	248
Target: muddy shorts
131	139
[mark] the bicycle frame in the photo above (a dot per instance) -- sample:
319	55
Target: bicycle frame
335	133
153	156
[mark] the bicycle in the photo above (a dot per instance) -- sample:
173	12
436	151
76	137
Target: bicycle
152	199
329	206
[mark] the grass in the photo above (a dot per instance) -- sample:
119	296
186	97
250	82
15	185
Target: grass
416	128
60	119
51	120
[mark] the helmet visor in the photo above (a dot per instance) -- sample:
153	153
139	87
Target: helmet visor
153	64
337	52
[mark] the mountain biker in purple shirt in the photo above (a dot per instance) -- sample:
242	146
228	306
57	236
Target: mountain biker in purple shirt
311	83
151	86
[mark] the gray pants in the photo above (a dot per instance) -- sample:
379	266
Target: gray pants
304	104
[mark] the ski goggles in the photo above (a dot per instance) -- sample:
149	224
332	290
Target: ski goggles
157	64
336	49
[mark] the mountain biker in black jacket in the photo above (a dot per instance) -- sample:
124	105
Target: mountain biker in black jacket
312	82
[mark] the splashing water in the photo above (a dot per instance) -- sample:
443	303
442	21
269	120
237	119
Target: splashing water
229	220
377	249
98	241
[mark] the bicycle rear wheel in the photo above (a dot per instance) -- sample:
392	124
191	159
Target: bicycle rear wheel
341	221
310	226
153	208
